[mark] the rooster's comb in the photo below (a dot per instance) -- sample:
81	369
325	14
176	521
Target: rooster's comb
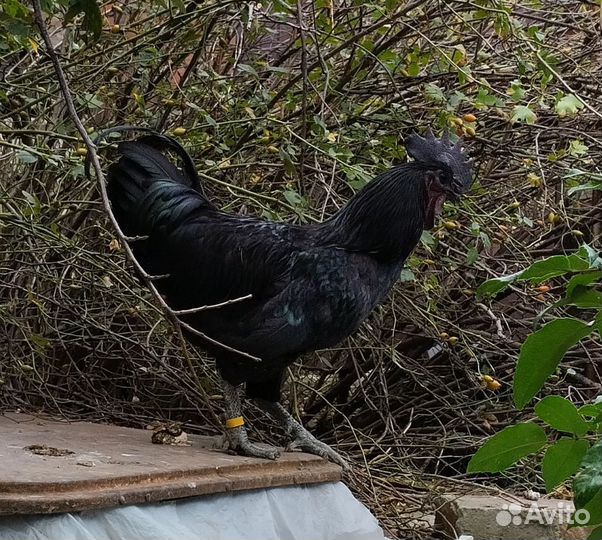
429	149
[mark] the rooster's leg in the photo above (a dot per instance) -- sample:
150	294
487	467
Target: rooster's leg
237	434
301	438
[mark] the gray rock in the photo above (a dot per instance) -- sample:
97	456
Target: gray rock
487	517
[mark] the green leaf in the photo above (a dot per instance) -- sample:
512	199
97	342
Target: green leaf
471	255
593	181
562	460
516	91
592	410
539	271
557	265
14	8
278	70
589	478
507	447
293	198
584	298
433	93
92	22
575	173
428	239
560	414
568	105
594	509
494	286
596	534
406	275
541	353
522	113
248	69
585	187
591	255
582	280
26	157
577	148
484	98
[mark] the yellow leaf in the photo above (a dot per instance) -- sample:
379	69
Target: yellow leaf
534	180
34	45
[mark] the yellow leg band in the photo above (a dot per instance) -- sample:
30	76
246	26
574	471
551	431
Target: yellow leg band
235	422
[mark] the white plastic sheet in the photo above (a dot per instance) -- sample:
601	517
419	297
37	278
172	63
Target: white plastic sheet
319	511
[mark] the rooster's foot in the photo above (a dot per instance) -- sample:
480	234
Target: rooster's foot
306	442
301	438
239	443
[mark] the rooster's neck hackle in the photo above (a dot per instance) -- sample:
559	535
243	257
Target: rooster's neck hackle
386	218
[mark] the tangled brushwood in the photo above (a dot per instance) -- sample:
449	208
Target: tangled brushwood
287	110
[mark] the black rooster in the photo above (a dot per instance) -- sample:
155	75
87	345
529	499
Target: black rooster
310	286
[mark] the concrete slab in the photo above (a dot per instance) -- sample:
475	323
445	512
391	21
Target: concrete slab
51	466
488	517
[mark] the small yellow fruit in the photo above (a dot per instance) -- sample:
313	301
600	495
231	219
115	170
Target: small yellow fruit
577	233
452	340
543	288
514	205
457	121
451	225
491	383
470	131
115	29
444	336
273	149
81	151
553	218
469	118
494	385
112	70
179	131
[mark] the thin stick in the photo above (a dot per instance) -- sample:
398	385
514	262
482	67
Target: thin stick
93	157
191	311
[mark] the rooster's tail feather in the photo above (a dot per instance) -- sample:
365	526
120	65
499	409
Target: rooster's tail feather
145	188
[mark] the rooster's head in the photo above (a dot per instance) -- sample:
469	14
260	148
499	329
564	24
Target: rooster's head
449	170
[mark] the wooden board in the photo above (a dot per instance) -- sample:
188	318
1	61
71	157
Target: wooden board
93	466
